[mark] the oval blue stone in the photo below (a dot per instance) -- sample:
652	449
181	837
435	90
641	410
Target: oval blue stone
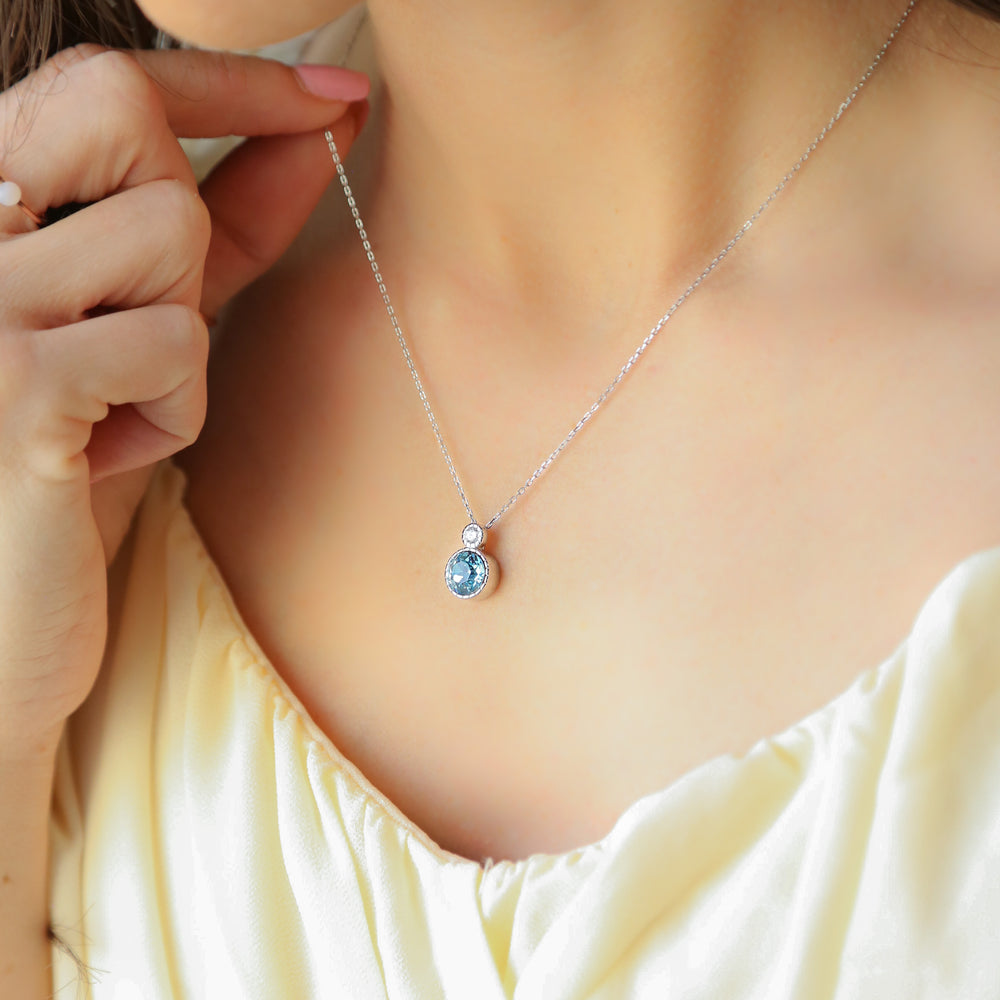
466	573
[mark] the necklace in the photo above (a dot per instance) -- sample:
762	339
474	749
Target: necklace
471	572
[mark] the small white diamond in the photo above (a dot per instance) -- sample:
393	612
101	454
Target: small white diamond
10	193
472	535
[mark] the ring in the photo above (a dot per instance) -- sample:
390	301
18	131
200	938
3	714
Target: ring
10	195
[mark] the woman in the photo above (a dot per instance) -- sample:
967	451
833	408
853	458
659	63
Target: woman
292	763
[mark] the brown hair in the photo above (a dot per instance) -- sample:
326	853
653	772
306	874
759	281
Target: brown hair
33	30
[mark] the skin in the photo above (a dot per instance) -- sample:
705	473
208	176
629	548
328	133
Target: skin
102	367
759	512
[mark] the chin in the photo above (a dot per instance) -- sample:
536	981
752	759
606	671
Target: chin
218	24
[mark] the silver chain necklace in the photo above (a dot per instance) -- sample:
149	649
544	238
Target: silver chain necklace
471	572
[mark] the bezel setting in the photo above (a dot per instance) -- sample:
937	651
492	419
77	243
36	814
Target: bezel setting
473	535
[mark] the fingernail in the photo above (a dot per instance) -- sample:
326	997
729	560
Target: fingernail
332	82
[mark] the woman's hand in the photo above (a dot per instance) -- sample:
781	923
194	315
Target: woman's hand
103	341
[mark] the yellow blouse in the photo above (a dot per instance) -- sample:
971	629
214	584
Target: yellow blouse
210	841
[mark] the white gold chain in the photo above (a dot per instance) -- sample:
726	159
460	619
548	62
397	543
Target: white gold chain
713	264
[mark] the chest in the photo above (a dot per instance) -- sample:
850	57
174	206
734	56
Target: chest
751	520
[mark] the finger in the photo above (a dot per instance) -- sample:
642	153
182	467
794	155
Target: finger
113	502
126	440
137	376
87	123
92	121
141	246
259	198
224	93
15	216
127	356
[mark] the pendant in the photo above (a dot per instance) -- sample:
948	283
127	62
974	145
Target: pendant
471	572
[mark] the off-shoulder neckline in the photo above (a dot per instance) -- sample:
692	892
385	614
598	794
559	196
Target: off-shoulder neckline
865	683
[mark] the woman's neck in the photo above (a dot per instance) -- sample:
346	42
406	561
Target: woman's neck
586	156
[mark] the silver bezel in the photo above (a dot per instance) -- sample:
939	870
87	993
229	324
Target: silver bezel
481	532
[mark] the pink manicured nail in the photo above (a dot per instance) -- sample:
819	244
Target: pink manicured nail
332	82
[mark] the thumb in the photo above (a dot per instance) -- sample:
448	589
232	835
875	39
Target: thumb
259	198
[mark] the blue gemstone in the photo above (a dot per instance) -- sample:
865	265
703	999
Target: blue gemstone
466	573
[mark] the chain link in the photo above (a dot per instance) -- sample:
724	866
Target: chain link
713	264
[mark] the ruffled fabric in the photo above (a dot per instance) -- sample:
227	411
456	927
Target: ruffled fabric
210	841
